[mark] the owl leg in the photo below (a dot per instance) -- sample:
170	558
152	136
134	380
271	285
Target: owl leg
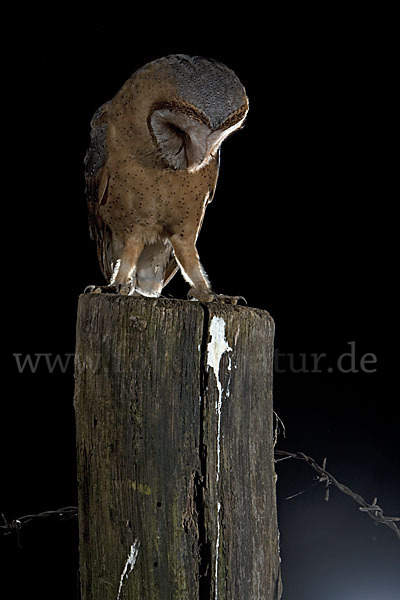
124	276
187	257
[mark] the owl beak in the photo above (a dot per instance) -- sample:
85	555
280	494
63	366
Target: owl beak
216	138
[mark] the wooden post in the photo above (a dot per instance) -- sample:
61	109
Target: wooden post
173	403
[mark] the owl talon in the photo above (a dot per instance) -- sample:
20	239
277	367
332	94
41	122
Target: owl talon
125	289
100	289
201	295
89	289
208	296
229	299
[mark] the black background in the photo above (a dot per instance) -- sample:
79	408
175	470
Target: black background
302	225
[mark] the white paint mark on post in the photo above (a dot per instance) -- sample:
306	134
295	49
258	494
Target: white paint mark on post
129	565
228	391
215	349
217	346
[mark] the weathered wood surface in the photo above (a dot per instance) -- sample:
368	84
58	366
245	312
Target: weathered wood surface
176	479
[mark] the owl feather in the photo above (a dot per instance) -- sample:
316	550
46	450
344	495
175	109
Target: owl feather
152	167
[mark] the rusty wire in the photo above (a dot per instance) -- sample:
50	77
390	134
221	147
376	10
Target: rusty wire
373	510
14	526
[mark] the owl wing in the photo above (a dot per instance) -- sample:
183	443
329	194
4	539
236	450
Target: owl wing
97	179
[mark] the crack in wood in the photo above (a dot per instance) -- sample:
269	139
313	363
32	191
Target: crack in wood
150	430
201	479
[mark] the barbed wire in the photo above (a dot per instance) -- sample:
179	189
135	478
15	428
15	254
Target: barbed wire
14	526
373	510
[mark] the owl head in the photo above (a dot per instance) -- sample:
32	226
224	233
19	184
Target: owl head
208	103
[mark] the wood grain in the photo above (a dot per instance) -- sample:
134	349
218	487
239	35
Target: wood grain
173	403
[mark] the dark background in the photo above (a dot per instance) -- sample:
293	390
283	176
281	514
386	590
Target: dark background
302	225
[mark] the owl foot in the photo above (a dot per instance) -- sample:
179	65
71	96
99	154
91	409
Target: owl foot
202	295
125	289
209	296
100	289
229	299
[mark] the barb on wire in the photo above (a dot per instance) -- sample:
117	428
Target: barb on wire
372	510
279	428
14	526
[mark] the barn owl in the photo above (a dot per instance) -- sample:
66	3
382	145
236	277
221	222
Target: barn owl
151	170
